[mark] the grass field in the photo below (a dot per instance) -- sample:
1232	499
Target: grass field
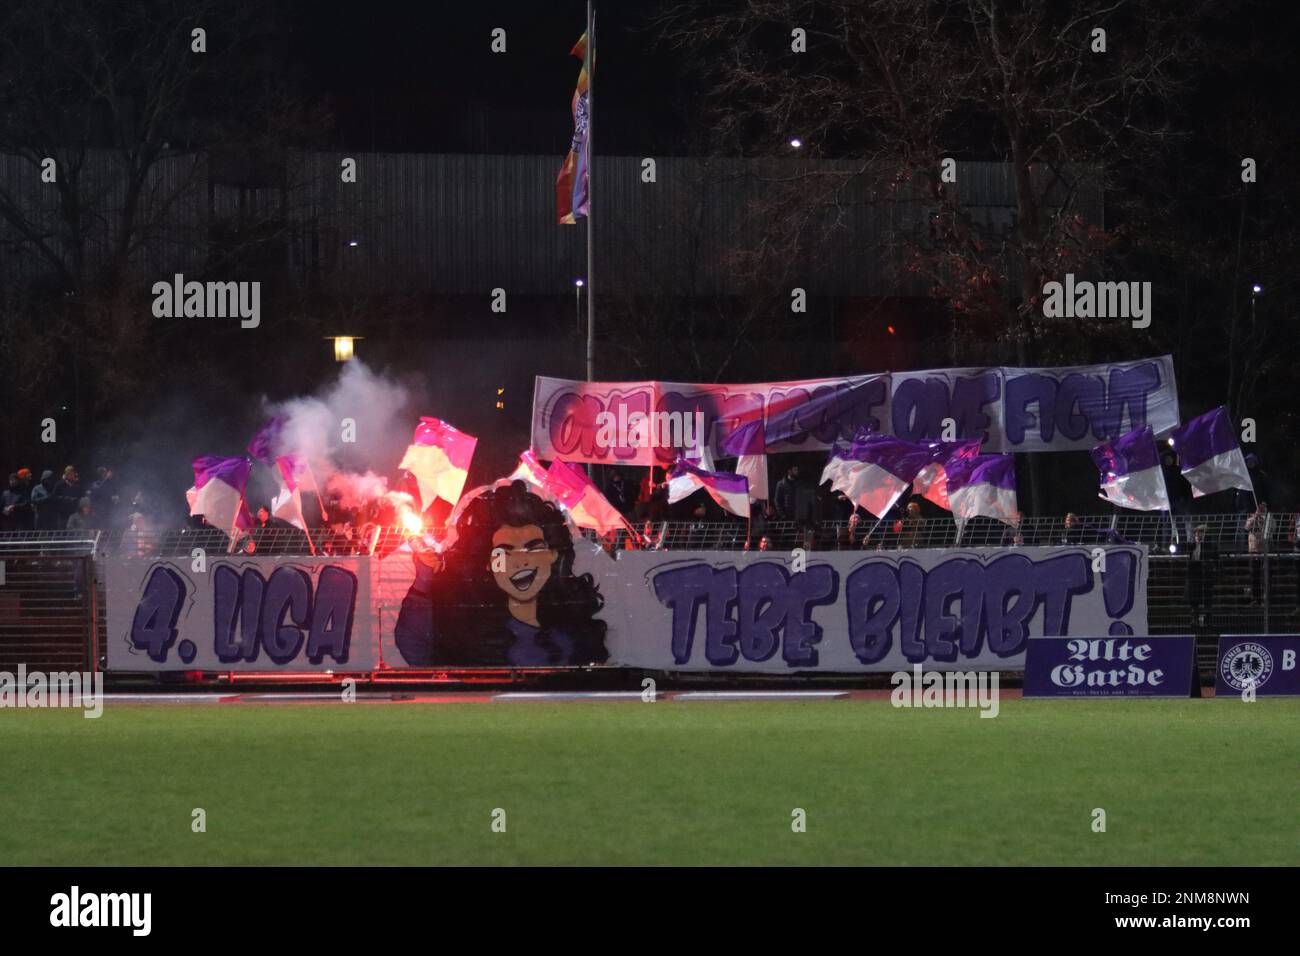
1182	782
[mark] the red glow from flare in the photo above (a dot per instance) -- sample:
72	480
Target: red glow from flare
411	523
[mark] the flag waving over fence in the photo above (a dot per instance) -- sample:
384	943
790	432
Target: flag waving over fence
983	485
931	482
588	508
875	470
749	444
572	188
264	444
438	457
1209	455
287	504
1130	471
530	472
219	486
730	491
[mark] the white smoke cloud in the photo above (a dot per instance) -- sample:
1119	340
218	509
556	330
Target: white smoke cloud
349	432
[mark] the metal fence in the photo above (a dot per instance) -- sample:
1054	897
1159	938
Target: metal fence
1226	534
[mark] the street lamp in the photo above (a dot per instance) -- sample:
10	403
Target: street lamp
344	346
796	143
577	301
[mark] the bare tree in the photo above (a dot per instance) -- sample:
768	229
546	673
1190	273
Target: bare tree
109	115
1062	93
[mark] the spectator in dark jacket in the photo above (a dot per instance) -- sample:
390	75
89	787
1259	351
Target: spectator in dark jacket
787	489
45	504
1199	589
15	506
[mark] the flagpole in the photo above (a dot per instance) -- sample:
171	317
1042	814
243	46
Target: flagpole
320	502
590	65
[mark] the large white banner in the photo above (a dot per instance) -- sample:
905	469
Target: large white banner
1008	409
547	605
734	612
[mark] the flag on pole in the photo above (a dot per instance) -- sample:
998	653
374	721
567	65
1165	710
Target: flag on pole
730	491
572	186
287	504
983	485
931	482
749	445
1130	471
586	506
1209	456
876	470
530	472
684	484
438	457
219	486
265	443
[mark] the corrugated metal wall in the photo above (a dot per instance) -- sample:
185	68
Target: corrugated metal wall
465	224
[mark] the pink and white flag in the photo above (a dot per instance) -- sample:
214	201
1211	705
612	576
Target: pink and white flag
439	457
586	506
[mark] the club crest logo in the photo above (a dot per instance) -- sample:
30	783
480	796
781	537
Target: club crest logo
1247	664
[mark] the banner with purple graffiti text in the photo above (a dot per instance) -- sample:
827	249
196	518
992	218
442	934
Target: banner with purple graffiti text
1112	666
240	614
1260	664
1008	409
840	612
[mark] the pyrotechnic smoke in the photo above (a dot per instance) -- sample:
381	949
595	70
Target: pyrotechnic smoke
360	423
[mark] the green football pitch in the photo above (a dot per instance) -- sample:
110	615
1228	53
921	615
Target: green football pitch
1196	782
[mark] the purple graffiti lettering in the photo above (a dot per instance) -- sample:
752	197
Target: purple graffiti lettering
153	626
331	620
744	611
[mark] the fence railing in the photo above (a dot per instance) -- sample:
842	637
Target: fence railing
1162	533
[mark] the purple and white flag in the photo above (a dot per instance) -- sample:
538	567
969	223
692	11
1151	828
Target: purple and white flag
983	485
1209	455
877	469
219	485
749	446
1130	471
265	443
730	491
287	504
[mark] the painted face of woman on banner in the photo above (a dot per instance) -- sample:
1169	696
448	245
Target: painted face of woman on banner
521	561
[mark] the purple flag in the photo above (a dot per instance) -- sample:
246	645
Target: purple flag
730	491
983	485
1209	456
264	443
219	486
1130	471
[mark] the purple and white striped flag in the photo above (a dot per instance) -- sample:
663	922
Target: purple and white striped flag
983	485
730	491
749	446
876	469
1130	471
287	504
219	486
1209	456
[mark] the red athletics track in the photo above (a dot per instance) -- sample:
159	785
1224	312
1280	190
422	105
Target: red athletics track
506	696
